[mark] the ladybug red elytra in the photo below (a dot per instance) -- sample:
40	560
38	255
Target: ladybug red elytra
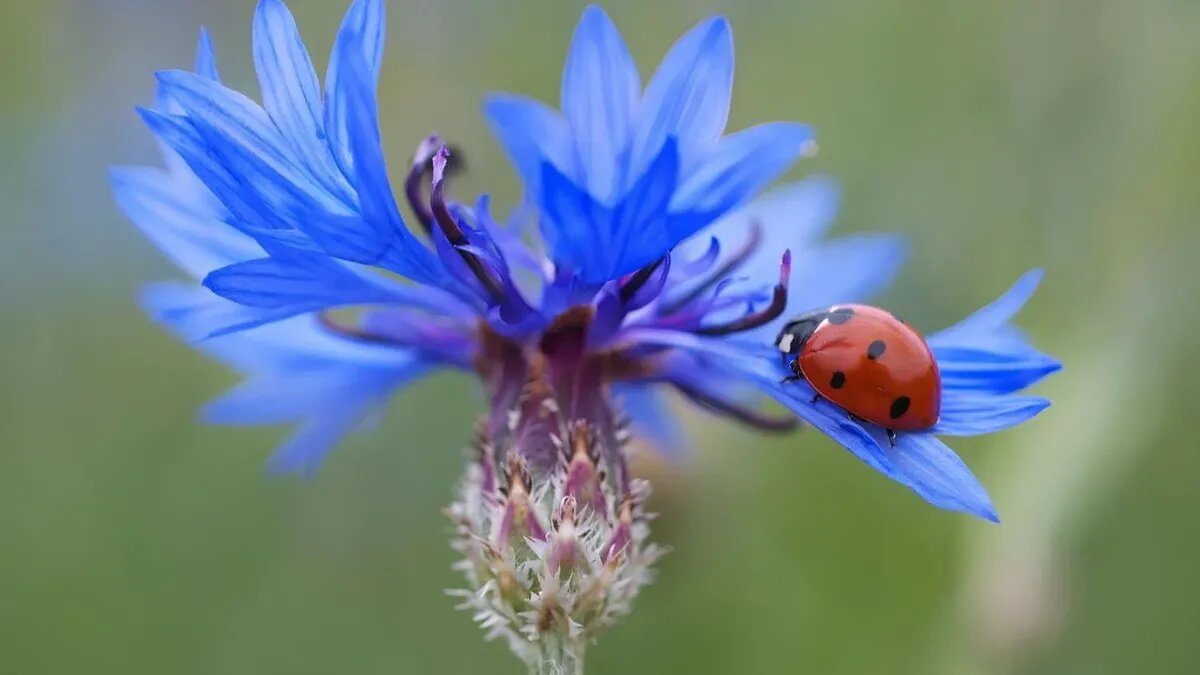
868	362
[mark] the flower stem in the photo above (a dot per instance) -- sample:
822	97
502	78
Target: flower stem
559	657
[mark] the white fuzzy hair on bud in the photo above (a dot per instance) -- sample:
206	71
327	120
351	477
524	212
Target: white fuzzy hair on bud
552	555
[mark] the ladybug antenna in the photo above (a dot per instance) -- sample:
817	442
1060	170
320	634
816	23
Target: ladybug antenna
767	314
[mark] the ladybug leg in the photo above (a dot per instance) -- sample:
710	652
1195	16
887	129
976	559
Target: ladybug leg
891	437
815	398
796	375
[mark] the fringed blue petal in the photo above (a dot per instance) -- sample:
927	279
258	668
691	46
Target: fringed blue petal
688	98
576	227
740	166
206	60
307	281
297	372
407	257
274	173
846	269
366	27
601	89
299	283
792	216
230	116
932	470
247	212
640	228
532	134
598	243
970	414
985	353
193	313
994	371
994	317
186	232
307	448
291	92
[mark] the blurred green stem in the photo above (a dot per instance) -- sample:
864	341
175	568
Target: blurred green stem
560	657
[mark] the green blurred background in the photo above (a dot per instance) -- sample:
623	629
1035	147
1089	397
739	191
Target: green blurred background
999	136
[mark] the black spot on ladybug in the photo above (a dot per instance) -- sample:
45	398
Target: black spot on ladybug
838	379
876	349
840	315
899	407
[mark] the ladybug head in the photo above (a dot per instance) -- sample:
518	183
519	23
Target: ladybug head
796	332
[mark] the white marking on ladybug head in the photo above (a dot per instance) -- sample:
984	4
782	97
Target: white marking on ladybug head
785	343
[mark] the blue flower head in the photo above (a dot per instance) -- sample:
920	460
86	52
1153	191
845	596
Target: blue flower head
658	266
621	176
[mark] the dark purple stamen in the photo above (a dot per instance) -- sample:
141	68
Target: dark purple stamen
766	315
746	416
416	178
450	228
639	279
738	259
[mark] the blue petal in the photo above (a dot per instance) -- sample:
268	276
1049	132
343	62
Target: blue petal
934	472
282	397
291	92
272	201
298	371
984	369
918	461
248	213
985	353
996	315
846	269
792	217
969	414
190	235
740	166
193	313
308	446
229	114
294	344
600	92
365	26
689	95
608	313
577	229
407	256
206	61
329	400
532	134
233	149
306	283
828	419
640	234
651	417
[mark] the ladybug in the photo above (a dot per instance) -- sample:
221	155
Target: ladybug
868	362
